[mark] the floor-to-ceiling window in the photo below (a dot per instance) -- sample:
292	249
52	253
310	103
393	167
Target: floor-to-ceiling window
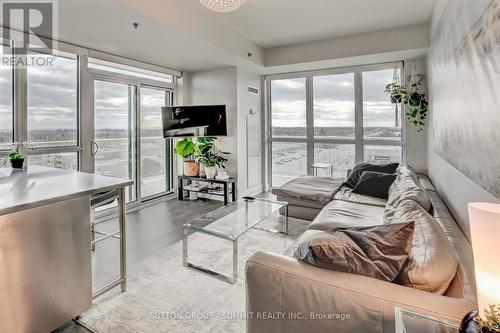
338	117
155	150
6	107
72	109
52	111
128	137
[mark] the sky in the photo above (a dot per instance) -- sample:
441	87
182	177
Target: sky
333	101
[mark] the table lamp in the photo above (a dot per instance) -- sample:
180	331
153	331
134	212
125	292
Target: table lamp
484	220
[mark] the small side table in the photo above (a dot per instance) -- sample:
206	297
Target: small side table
408	321
324	166
230	182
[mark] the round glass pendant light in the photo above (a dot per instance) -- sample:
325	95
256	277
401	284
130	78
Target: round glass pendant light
222	6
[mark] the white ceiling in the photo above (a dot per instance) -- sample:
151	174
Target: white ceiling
271	23
182	34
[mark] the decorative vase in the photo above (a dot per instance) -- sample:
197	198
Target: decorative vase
469	324
210	172
191	168
17	163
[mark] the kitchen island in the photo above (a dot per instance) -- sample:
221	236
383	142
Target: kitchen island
45	245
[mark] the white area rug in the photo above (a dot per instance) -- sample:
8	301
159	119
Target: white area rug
164	296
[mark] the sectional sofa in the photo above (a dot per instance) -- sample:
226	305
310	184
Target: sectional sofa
438	279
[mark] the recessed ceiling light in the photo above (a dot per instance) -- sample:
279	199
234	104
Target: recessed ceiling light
222	6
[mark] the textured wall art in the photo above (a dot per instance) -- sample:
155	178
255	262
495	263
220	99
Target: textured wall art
465	84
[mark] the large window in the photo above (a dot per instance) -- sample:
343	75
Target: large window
333	117
77	112
288	104
114	111
53	101
381	118
334	106
155	150
6	105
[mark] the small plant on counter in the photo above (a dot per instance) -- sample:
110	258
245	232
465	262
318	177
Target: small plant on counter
16	157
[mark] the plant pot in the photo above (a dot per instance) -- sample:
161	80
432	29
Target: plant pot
191	168
395	99
17	163
210	172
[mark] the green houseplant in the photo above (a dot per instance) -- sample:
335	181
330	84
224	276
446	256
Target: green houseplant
186	149
209	155
416	102
396	92
212	159
491	322
16	160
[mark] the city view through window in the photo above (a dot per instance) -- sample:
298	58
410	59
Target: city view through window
52	123
333	126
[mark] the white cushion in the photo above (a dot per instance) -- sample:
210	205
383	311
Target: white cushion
432	263
405	187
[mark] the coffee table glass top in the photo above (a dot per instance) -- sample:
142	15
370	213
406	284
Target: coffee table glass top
233	220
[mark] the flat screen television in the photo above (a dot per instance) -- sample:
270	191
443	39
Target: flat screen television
199	120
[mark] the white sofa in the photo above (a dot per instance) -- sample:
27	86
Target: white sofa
277	283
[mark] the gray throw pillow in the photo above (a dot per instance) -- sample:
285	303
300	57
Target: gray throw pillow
379	251
356	172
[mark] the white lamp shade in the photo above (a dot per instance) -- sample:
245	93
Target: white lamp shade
484	219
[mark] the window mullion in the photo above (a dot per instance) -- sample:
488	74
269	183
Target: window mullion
21	103
358	116
309	124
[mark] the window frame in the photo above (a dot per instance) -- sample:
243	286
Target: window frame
88	127
359	140
85	107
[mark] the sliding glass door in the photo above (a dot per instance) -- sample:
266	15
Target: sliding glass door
114	138
155	151
128	137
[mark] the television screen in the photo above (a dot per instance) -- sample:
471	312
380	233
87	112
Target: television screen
202	120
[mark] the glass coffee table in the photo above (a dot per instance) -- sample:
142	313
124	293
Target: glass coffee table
230	222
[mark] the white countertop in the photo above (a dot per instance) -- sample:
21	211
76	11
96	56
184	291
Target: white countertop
36	186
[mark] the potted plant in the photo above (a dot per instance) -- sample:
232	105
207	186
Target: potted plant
396	91
491	322
416	102
186	149
211	159
418	107
16	160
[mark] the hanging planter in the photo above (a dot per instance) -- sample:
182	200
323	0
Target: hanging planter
416	103
396	92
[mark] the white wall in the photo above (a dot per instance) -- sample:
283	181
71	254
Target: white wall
228	86
249	134
456	188
386	41
416	142
217	86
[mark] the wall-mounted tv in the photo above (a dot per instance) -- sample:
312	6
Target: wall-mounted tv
199	120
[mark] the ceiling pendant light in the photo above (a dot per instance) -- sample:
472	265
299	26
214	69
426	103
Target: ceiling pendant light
222	6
